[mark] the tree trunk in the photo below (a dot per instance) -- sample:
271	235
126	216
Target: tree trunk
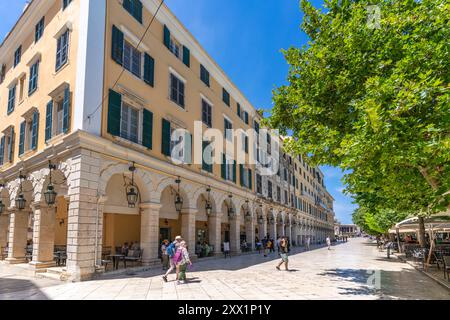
421	234
432	237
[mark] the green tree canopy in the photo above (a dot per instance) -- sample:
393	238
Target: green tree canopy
374	100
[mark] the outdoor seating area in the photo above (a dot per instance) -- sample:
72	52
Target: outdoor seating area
123	256
60	255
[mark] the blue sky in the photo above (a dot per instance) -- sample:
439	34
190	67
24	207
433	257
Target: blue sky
245	38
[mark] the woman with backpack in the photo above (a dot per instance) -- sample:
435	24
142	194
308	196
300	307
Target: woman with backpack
182	260
171	251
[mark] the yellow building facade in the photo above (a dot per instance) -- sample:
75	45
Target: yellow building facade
90	97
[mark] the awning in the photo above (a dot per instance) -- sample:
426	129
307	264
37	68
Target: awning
436	223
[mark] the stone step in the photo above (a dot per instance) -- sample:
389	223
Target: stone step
56	270
47	275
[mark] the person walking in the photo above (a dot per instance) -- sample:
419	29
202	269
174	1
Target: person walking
183	261
329	243
171	250
265	246
165	255
226	249
283	254
308	242
278	244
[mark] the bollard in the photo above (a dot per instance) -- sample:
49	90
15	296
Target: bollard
388	252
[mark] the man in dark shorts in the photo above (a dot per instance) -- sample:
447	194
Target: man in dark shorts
283	254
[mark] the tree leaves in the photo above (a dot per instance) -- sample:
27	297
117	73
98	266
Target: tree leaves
374	101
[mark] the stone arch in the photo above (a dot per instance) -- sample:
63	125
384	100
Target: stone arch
41	179
142	178
187	189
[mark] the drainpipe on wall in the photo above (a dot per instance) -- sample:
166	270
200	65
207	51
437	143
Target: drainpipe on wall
100	199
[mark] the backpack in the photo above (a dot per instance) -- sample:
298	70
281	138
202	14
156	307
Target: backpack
170	250
178	256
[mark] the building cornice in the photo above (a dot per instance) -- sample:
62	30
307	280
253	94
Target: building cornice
21	30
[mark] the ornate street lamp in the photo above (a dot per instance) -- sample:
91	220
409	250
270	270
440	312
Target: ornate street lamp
50	194
260	220
208	207
231	212
178	198
132	194
20	200
248	216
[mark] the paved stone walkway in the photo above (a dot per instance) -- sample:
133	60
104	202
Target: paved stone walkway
353	270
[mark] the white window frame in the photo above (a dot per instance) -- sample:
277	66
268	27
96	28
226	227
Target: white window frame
133	49
229	164
173	43
140	111
228	136
172	72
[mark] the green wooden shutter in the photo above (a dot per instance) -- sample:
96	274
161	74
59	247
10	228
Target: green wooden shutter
187	148
149	70
250	177
241	174
166	136
147	129
49	121
246	117
234	171
114	111
223	167
2	150
239	110
35	131
22	138
138	10
117	45
206	166
11	145
166	37
186	57
66	110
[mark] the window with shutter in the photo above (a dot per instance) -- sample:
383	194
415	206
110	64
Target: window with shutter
204	75
134	7
62	50
2	150
33	82
226	97
207	160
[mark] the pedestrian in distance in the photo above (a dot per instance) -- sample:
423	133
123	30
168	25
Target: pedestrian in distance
329	243
182	261
171	250
226	249
308	243
283	254
165	255
265	246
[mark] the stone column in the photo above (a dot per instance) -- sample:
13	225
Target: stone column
235	235
4	226
263	229
215	230
150	233
85	216
18	231
188	228
250	233
273	231
279	230
43	236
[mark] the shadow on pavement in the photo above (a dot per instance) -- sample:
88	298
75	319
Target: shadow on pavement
16	289
228	264
382	284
